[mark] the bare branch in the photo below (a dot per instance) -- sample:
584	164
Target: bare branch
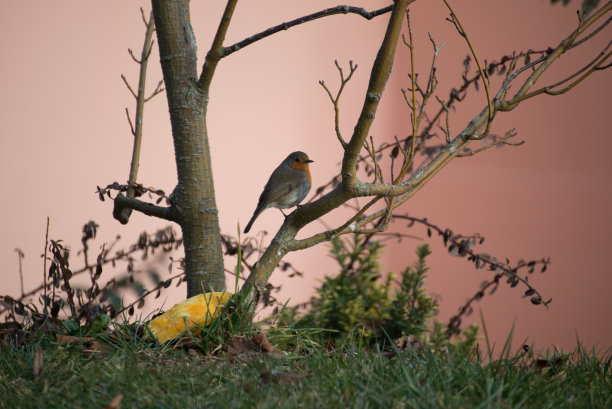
416	115
565	45
122	202
485	79
127	113
548	90
378	175
45	259
136	127
348	227
334	100
20	256
415	121
319	14
136	60
503	141
144	19
446	129
127	84
216	51
158	90
378	78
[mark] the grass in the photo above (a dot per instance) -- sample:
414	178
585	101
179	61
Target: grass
158	377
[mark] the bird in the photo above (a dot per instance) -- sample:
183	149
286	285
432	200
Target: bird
287	187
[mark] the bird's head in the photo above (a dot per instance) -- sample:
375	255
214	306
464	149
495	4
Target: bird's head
299	161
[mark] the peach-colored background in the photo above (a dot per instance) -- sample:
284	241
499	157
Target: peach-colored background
63	131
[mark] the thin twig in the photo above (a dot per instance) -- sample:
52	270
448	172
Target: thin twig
415	121
127	113
45	260
136	60
548	90
378	175
127	84
144	19
20	256
334	100
503	141
158	89
485	79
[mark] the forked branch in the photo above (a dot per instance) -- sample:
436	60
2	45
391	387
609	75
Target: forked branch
216	50
121	212
504	140
334	100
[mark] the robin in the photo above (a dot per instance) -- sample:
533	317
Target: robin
288	185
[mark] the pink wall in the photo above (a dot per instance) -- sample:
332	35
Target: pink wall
63	131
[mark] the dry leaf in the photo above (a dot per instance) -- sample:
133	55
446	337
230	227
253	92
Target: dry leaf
94	346
37	362
68	339
115	403
87	344
262	342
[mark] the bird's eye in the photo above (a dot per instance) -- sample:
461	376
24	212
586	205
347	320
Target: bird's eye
297	159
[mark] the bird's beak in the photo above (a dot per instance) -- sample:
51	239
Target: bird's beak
309	161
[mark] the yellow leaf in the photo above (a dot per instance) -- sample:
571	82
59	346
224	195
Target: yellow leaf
199	310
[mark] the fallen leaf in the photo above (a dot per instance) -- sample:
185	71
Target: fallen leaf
69	339
87	344
115	403
262	342
37	362
95	346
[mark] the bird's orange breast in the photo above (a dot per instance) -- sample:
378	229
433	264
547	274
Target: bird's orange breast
303	166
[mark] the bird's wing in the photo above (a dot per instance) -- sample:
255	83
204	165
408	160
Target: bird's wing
281	182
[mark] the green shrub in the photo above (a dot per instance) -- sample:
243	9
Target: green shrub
359	303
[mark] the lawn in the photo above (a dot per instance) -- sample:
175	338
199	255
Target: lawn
149	376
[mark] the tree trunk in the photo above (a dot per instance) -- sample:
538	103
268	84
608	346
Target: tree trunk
194	196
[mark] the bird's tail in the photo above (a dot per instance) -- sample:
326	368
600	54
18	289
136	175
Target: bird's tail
248	226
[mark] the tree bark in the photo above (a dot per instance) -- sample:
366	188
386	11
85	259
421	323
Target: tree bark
194	195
